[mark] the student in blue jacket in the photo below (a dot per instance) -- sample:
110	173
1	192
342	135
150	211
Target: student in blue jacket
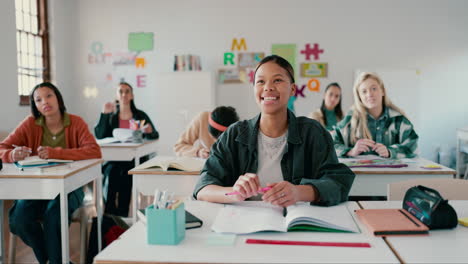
294	156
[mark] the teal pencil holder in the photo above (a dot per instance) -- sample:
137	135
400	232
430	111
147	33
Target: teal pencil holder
165	226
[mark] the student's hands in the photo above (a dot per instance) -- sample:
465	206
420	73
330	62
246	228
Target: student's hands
20	153
247	185
43	152
203	153
362	145
147	129
108	108
282	193
382	150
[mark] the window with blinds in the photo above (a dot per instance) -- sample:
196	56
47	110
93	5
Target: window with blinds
32	42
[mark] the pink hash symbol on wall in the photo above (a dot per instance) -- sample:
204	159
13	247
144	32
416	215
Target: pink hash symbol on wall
315	51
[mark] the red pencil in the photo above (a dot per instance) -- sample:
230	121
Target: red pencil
307	243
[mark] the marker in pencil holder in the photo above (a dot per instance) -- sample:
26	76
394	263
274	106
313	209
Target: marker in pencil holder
165	226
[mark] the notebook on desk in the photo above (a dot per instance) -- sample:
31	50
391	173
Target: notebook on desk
173	163
250	217
384	222
35	161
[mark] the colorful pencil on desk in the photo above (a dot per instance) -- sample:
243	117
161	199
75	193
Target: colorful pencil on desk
264	189
307	243
175	205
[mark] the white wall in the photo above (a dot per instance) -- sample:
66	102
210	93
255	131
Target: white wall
12	113
62	22
425	35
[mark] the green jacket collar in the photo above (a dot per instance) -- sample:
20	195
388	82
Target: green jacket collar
248	136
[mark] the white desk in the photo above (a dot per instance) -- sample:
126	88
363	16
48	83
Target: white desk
373	181
127	151
441	246
145	181
462	149
133	248
32	184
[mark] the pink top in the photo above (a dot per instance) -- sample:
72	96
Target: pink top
124	123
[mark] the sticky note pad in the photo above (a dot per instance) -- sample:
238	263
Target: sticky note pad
463	221
432	167
216	239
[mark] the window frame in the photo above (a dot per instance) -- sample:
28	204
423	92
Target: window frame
43	34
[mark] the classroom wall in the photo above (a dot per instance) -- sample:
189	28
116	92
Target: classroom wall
63	37
422	36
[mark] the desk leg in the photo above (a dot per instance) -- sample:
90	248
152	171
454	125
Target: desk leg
2	236
99	209
64	225
134	194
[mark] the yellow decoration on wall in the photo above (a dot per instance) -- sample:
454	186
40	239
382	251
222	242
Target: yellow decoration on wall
238	46
140	62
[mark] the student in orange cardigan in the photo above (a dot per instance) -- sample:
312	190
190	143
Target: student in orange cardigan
49	132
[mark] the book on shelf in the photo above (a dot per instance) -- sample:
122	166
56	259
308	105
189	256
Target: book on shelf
250	217
191	221
35	161
173	163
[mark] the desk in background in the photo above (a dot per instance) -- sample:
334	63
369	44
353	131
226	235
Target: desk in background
373	181
127	151
133	248
440	246
462	150
146	181
32	184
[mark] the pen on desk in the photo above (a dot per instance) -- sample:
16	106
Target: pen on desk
264	189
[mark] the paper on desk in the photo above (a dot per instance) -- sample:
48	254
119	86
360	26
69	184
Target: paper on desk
216	239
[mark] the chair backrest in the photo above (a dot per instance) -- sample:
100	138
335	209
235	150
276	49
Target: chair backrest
450	189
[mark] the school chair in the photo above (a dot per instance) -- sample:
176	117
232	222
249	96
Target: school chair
82	216
450	189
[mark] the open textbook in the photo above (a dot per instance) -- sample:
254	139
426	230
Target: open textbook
250	217
168	162
35	161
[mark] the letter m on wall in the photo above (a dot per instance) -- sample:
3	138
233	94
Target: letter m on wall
238	45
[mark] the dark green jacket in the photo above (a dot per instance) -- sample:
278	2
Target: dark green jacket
397	134
107	123
309	159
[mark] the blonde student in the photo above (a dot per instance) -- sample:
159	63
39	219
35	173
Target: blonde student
374	125
203	131
330	112
293	156
50	132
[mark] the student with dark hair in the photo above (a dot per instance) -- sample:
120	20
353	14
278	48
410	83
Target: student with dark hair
330	111
203	131
50	133
292	155
117	185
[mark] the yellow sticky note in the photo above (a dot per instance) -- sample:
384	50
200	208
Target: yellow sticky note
463	221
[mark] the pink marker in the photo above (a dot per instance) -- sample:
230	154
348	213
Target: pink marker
261	190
